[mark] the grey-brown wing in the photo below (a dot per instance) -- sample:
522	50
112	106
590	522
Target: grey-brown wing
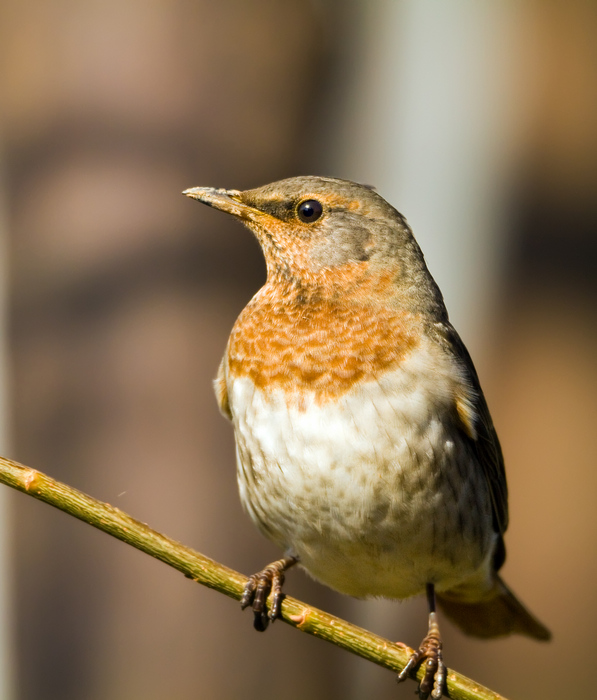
484	439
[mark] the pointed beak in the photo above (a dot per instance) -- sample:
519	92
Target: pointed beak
225	200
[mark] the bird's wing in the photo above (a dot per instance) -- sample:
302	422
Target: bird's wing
477	424
221	389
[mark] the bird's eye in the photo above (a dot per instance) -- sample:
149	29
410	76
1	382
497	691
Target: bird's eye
309	211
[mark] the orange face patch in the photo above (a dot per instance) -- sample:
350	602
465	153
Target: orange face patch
334	200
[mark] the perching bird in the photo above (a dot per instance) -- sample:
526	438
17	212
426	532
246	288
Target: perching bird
365	447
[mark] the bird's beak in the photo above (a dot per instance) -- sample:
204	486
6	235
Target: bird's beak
225	200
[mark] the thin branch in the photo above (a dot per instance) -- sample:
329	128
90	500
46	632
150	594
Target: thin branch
213	575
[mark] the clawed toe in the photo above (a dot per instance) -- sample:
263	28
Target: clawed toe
258	588
434	679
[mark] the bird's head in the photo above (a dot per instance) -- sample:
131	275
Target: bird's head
324	232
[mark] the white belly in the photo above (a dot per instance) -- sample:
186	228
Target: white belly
377	492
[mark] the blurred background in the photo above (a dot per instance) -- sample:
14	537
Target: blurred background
478	121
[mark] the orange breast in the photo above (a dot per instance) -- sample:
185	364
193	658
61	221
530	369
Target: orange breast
321	345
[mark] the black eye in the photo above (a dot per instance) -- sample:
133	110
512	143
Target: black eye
309	211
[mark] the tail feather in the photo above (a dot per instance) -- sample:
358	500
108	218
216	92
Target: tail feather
499	614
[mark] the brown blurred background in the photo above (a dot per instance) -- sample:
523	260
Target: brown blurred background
122	293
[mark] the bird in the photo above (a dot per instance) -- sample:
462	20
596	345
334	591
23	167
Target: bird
365	447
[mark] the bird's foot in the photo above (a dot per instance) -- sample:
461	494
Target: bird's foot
258	588
434	679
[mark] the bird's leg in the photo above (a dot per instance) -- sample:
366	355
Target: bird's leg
259	586
434	679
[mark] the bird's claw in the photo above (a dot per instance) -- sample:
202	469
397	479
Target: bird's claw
434	680
258	588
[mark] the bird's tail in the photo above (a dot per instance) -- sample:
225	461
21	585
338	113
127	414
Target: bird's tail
497	614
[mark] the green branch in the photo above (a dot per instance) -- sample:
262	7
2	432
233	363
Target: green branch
209	573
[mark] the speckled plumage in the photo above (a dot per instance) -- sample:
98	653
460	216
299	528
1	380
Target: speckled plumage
353	489
365	447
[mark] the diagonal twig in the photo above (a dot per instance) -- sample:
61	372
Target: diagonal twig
210	573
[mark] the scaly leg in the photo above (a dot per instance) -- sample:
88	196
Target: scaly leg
258	588
434	679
